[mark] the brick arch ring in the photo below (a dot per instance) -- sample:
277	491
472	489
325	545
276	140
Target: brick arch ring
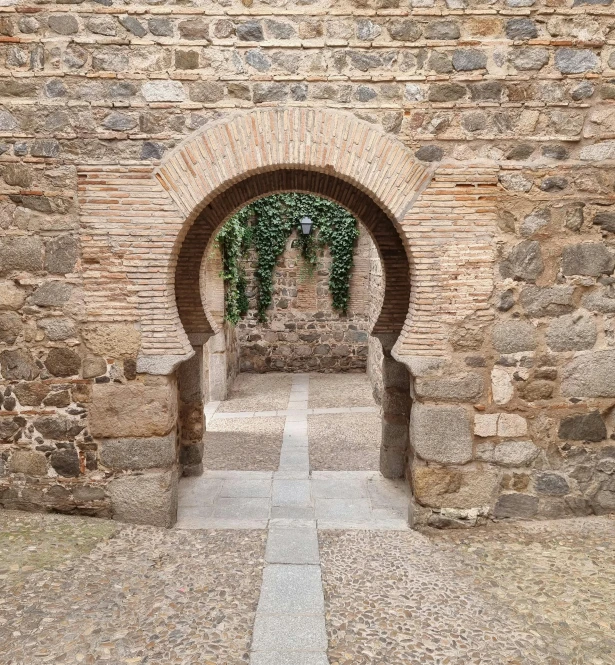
433	227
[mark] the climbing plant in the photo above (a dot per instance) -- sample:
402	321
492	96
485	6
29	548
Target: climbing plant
266	225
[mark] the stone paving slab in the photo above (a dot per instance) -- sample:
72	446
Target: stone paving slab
298	545
275	632
291	589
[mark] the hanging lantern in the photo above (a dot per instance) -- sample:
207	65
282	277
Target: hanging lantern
306	225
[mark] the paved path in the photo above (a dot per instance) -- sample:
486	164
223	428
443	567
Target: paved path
292	503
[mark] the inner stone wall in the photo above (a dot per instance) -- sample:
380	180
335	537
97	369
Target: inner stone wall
510	103
303	332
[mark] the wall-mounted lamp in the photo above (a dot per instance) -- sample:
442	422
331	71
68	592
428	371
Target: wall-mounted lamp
306	225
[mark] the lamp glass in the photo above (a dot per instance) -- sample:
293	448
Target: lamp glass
306	226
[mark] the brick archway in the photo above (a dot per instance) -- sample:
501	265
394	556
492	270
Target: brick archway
141	248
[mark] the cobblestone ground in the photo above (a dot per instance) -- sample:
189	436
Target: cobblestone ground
340	390
537	593
79	590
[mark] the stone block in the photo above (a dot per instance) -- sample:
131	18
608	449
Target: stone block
513	336
134	454
17	365
394	448
59	427
590	375
61	255
11	296
590	258
521	506
31	393
486	424
551	484
572	332
602	300
547	301
524	262
132	410
52	294
117	340
63	362
511	424
501	386
65	462
28	462
149	498
57	328
21	253
441	433
466	388
583	427
10	327
455	488
163	91
93	366
515	453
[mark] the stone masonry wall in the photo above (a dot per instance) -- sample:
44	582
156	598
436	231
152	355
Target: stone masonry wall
515	418
303	332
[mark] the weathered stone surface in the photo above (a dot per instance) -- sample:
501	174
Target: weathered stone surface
63	362
466	388
521	29
583	427
57	328
150	498
602	300
511	424
589	258
160	26
429	153
29	462
535	221
590	375
521	506
10	327
446	92
513	336
93	366
21	253
404	30
118	340
466	60
605	220
515	453
442	30
250	31
598	151
17	365
51	294
533	391
529	58
31	393
501	386
552	484
61	255
88	493
486	424
11	296
63	24
206	92
119	122
8	428
441	433
572	332
65	462
547	301
136	453
524	262
132	410
163	91
133	25
58	398
575	61
59	428
448	488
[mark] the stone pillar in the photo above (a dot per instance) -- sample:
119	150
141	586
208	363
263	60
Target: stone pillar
191	413
135	425
395	412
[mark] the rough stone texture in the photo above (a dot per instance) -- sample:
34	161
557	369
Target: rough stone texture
440	433
132	410
590	375
515	453
572	332
112	339
466	388
150	498
583	427
592	259
459	489
547	301
514	336
135	454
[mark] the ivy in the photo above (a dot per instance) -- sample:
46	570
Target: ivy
266	225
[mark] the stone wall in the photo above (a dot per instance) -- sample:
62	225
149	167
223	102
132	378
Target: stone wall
303	332
512	344
374	346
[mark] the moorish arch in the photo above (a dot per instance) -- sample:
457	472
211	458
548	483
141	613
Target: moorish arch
145	230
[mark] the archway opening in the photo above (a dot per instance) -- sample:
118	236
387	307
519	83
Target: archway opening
379	308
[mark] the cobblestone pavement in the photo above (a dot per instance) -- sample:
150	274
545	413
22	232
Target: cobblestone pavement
531	593
81	590
258	392
340	390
